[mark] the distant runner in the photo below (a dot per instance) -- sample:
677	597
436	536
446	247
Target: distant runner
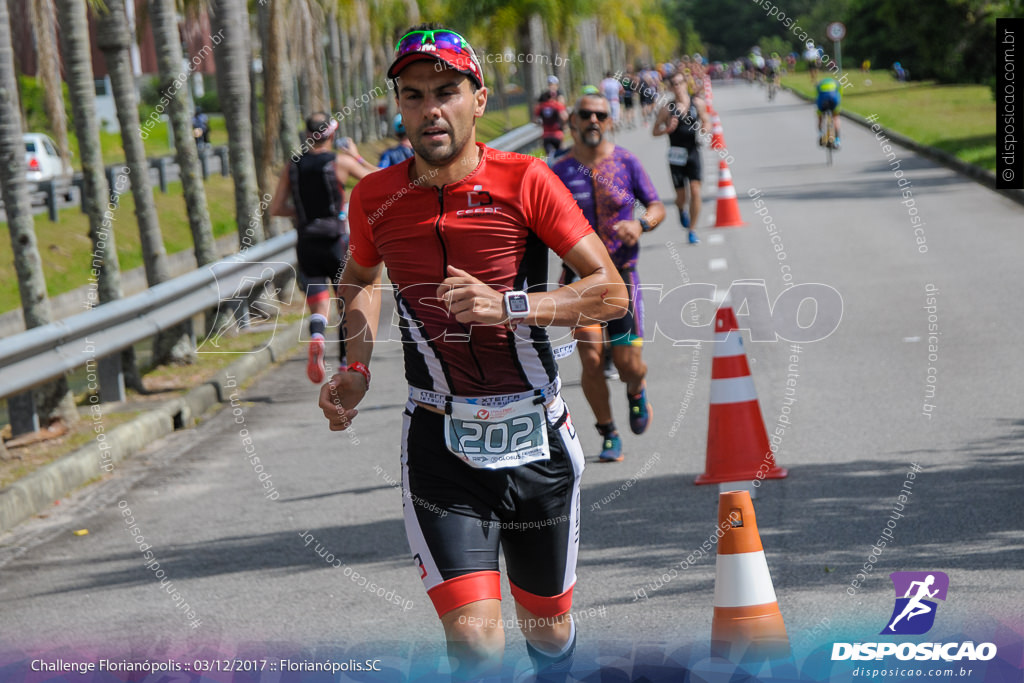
682	120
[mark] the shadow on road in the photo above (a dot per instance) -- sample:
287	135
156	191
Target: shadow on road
957	517
960	517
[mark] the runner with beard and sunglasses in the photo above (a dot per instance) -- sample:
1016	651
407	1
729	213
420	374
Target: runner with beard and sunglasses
608	183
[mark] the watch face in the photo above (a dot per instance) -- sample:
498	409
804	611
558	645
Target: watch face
518	303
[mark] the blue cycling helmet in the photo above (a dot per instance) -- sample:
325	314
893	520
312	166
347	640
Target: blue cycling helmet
397	125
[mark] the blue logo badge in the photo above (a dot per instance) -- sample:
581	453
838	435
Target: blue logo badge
916	592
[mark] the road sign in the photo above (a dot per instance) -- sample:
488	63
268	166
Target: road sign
836	31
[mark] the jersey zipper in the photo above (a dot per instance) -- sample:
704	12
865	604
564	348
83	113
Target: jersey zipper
444	274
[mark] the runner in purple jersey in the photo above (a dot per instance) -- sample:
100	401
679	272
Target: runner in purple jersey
609	184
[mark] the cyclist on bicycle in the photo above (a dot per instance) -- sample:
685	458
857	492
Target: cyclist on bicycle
829	96
772	69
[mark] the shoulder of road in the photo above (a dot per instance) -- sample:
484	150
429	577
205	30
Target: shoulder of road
37	491
972	171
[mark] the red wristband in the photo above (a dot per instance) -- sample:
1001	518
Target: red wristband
362	370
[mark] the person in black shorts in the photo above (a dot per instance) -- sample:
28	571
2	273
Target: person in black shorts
629	88
683	120
490	457
311	191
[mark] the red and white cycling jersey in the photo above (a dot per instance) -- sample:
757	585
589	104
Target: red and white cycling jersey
497	224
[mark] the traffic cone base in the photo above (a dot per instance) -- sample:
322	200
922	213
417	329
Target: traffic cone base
747	623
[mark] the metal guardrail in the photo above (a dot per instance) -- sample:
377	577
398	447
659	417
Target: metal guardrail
53	190
522	139
97	336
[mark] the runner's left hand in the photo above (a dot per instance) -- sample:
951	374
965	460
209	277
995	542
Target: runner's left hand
628	231
469	300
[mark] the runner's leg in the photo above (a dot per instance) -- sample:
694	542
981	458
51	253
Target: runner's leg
590	346
476	639
695	202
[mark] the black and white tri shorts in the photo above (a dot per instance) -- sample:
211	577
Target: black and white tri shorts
457	516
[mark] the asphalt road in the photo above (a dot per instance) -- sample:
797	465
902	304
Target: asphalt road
857	425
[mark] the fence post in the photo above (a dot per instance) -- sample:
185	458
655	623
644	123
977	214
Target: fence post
222	154
161	171
111	177
111	379
79	182
51	199
21	410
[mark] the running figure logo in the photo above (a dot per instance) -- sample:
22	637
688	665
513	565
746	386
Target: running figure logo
914	613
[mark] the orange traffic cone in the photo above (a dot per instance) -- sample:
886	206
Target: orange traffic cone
707	94
747	624
717	139
738	449
727	212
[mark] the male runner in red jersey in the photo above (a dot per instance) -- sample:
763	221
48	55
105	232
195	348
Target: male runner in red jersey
464	231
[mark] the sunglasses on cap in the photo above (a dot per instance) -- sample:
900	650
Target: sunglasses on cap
414	41
585	114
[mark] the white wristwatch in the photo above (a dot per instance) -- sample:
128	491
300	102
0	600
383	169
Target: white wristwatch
517	306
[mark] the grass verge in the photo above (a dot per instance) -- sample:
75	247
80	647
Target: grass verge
959	119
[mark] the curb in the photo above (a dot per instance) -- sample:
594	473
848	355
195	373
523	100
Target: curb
36	492
975	173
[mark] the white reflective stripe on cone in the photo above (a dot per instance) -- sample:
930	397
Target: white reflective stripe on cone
733	390
743	580
725	175
726	192
727	344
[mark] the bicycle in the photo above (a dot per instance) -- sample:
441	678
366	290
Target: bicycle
829	137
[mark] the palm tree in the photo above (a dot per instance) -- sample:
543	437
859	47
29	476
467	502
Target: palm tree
114	38
75	51
164	22
232	56
272	91
53	401
45	28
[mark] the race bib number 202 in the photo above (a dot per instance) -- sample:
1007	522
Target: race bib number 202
495	437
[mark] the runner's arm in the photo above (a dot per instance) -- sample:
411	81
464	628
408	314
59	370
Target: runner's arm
360	292
599	295
661	123
629	231
705	120
347	165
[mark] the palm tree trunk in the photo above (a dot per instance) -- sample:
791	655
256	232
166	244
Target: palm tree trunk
45	26
345	38
229	19
531	84
114	39
272	95
368	110
254	108
173	83
334	61
54	400
290	119
163	19
75	51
